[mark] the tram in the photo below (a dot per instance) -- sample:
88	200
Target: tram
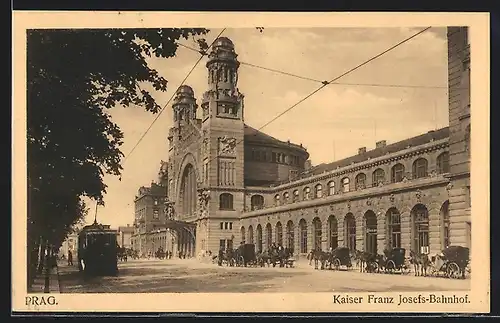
98	250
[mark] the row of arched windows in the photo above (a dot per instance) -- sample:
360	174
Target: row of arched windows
419	170
419	223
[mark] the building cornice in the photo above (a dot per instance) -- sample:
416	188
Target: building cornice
352	196
378	161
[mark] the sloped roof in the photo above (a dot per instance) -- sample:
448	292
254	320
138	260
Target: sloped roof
378	152
256	136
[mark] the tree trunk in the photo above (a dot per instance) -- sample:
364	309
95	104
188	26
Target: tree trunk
41	255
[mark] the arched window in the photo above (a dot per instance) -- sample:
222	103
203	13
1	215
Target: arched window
443	163
307	193
317	233
286	197
290	241
350	231
345	184
303	236
420	168
250	234
257	202
226	201
371	232
259	238
279	234
269	236
331	188
333	236
420	232
445	219
242	234
295	197
397	173
467	140
394	228
378	177
318	191
277	200
360	181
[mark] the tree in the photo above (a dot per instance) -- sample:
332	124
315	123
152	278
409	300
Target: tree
73	77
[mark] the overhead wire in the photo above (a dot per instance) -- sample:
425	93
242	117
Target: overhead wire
319	81
326	83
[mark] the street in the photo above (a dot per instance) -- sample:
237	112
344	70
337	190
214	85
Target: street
189	275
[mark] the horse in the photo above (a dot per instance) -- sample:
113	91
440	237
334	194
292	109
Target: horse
361	258
263	258
420	263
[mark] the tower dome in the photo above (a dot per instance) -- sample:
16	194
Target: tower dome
185	90
224	42
184	94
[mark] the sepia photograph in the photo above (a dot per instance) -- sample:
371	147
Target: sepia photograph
228	164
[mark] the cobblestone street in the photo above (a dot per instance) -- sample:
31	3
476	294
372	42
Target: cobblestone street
175	275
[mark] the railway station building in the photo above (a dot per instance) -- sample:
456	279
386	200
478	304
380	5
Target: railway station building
233	183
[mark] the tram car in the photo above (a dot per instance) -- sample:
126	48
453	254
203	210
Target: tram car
98	250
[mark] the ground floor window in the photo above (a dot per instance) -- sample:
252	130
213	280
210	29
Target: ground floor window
303	236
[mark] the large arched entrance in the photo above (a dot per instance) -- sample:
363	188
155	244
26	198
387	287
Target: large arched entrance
183	235
370	232
393	220
350	231
333	236
250	234
269	236
420	228
303	235
279	234
445	224
186	209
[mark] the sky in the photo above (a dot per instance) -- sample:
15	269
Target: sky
332	124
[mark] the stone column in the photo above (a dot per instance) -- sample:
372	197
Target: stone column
296	242
360	232
341	229
310	236
406	231
435	231
325	235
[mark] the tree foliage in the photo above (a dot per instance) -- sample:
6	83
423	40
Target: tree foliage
74	77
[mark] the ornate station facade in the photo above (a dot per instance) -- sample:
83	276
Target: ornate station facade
226	182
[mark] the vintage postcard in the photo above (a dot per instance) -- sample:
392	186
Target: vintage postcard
251	162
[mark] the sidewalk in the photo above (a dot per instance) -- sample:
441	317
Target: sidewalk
44	283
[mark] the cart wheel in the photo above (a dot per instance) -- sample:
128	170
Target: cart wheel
390	267
336	263
453	271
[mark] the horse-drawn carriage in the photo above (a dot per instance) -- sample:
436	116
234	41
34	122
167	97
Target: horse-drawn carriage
341	256
246	255
395	260
452	261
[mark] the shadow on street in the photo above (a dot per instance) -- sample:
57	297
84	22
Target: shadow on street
163	278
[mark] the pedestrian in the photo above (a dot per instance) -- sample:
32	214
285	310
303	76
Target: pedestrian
70	258
221	255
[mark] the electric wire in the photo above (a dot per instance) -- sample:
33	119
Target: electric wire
326	83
